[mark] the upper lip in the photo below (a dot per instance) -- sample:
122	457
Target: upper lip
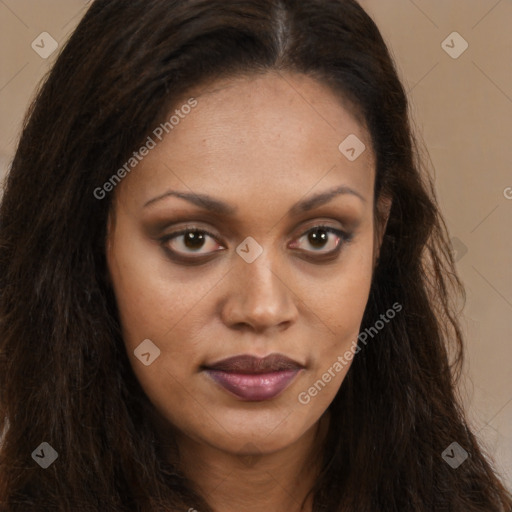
251	364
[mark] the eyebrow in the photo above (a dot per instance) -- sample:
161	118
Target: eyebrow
221	208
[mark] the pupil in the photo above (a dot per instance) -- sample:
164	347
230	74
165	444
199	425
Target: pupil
194	240
318	240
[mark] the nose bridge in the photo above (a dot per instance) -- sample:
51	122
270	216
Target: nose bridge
259	295
261	276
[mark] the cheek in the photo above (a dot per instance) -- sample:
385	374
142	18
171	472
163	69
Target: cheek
342	294
344	306
341	308
153	296
157	302
155	306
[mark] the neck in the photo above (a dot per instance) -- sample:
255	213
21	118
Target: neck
252	481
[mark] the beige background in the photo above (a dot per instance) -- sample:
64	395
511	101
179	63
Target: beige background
462	108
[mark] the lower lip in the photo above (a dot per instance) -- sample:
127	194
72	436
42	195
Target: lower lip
254	387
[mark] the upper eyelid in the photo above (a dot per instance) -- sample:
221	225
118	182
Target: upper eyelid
194	227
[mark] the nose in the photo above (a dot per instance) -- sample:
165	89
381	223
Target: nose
260	296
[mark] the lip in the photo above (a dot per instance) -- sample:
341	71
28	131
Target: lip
247	363
254	379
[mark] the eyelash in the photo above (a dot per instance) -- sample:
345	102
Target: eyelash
344	237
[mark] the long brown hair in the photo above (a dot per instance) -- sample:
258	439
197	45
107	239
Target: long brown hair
65	377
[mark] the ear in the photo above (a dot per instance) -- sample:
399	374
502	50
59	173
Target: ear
383	209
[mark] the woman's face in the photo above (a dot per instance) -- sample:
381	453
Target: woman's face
252	274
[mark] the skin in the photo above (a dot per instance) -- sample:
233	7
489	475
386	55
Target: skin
260	144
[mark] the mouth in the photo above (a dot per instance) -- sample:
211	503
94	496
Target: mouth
254	379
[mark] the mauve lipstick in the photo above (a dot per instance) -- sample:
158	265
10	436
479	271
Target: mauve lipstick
254	379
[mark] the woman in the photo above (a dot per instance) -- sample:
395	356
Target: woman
225	281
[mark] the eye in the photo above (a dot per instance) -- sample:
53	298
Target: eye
190	241
324	240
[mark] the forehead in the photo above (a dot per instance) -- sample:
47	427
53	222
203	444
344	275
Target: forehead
279	129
